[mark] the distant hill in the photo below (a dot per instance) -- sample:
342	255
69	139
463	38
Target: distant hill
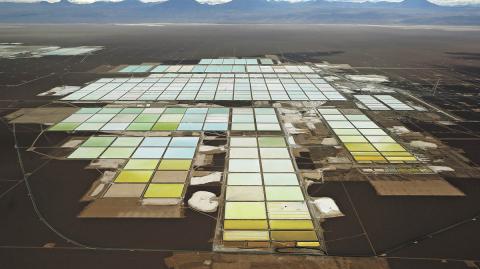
241	11
417	4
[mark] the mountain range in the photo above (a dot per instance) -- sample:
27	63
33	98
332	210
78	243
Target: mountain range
241	11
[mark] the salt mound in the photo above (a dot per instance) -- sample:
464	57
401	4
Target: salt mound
203	201
213	177
211	149
368	78
423	145
399	130
439	169
329	141
327	207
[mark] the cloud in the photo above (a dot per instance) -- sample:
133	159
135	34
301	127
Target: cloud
216	2
213	2
92	1
438	2
455	2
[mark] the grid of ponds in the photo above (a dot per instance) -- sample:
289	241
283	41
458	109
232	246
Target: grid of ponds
225	68
231	61
170	119
371	103
136	69
204	87
382	102
364	139
264	202
157	167
393	102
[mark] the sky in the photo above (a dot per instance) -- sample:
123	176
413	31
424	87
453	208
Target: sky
212	2
439	2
